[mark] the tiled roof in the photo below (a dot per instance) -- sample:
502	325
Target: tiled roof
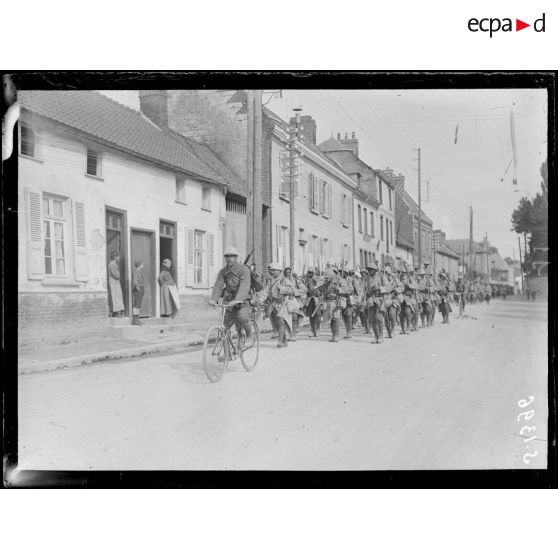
446	250
413	206
331	144
235	184
462	244
401	241
118	126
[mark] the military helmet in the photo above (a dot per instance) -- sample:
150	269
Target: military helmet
275	265
230	251
372	265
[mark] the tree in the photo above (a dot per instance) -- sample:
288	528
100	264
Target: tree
531	219
523	218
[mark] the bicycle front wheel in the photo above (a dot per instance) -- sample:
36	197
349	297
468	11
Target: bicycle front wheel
249	355
215	354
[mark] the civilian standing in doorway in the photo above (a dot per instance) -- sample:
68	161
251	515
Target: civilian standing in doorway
115	288
138	289
169	293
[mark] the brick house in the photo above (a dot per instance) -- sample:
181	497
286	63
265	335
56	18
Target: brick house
406	216
96	176
324	224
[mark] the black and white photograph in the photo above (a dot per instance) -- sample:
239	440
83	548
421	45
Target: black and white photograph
281	279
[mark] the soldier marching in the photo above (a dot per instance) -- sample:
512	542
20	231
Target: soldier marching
374	299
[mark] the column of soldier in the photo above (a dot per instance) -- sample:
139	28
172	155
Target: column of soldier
376	298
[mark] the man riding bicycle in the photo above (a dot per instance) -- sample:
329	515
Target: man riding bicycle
233	284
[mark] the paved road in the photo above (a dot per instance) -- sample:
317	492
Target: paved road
442	398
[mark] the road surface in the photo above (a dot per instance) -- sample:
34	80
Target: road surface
441	398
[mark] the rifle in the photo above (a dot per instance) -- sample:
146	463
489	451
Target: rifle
248	257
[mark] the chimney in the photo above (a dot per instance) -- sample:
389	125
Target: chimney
351	143
398	182
153	103
307	128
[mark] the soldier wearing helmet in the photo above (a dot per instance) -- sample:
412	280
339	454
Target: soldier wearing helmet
233	284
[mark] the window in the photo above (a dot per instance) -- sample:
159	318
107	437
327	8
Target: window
390	202
323	196
391	231
206	198
313	193
93	163
365	221
54	224
382	227
198	257
359	218
28	140
361	253
381	192
180	190
346	210
371	224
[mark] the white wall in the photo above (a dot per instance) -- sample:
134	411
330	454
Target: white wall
331	228
145	191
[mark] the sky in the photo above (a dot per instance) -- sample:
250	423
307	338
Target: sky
470	172
474	171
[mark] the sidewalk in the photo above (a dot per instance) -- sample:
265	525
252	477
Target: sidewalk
119	340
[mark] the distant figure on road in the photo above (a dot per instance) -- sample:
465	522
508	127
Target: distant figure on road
115	288
533	295
170	303
528	293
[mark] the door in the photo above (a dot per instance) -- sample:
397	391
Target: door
116	241
143	250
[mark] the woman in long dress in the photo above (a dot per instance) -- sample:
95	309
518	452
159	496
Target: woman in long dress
169	292
115	287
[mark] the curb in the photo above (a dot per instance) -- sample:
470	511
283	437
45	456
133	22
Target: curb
81	360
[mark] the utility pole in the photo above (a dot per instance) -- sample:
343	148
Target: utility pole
250	171
293	177
520	265
417	149
487	259
257	197
470	243
254	176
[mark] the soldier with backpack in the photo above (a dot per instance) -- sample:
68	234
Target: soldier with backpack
233	284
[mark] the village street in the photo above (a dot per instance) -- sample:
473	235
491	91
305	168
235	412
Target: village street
441	398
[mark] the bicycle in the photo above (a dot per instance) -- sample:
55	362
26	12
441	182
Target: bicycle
219	348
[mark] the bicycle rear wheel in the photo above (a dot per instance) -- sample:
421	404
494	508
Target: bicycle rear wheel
249	356
215	354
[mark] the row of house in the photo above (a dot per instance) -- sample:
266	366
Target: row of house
168	179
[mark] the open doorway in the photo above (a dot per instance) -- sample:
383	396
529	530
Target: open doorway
143	249
116	242
167	246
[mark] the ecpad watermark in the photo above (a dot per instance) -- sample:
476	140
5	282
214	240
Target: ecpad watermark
492	25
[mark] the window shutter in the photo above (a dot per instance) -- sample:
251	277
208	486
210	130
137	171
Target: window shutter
328	188
35	249
278	251
80	245
189	257
311	191
211	250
